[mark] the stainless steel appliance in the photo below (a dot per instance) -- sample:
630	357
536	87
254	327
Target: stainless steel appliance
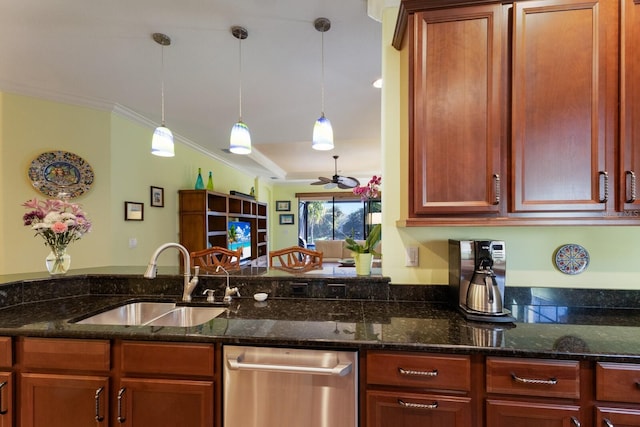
477	278
285	387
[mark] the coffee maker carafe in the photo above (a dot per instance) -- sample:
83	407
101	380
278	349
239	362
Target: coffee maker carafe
484	295
477	279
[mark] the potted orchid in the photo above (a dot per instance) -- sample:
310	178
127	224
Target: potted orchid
59	223
363	253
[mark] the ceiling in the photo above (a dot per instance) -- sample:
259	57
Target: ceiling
101	53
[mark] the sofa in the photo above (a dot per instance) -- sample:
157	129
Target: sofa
335	250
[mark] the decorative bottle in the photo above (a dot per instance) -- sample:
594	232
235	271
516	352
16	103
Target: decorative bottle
210	182
199	182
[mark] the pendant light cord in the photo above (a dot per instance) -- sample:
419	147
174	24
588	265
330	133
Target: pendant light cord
162	85
322	86
240	76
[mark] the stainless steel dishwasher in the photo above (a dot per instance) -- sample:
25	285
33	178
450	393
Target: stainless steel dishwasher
284	387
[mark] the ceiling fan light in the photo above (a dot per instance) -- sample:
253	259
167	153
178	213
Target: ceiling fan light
240	141
162	142
322	135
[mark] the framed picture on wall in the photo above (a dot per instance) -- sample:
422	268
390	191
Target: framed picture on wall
283	205
286	219
157	197
133	211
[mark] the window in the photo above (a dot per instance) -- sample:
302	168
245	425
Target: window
334	217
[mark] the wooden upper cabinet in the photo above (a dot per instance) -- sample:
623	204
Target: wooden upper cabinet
564	106
629	198
455	140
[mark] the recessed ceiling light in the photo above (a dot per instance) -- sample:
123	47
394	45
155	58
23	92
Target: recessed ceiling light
377	83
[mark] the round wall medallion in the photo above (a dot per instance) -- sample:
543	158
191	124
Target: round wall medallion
571	259
60	173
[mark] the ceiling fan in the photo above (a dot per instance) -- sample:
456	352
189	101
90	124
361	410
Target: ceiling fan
344	182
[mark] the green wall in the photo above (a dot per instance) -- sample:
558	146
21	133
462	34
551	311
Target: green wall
118	149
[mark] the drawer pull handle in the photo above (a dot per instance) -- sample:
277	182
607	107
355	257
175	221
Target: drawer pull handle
575	421
2	411
550	381
404	404
607	423
99	418
632	176
121	419
605	176
496	181
413	372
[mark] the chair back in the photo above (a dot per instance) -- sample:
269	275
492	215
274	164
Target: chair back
295	259
209	259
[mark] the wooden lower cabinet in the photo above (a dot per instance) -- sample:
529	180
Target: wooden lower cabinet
6	399
404	409
617	417
66	383
48	400
164	403
504	413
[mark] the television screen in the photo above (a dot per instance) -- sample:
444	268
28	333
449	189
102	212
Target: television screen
239	236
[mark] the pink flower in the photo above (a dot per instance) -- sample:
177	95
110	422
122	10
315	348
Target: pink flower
59	227
369	191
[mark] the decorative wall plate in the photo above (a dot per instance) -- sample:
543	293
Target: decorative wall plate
57	173
571	259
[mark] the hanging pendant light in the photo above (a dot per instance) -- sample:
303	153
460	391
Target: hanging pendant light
322	130
240	141
162	142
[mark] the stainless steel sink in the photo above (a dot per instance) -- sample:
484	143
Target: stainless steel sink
153	314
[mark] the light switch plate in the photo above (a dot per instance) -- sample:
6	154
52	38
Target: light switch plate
412	256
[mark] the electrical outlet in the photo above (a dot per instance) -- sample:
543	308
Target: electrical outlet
133	242
412	256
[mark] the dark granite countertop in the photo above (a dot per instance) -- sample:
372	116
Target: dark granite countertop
405	318
543	328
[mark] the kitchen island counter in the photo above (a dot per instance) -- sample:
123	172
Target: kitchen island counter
593	334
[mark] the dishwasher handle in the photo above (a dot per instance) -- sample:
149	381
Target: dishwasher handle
236	363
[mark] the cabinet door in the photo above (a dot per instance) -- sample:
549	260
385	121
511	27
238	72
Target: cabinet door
6	399
455	142
63	400
164	403
564	103
400	409
617	417
530	414
630	105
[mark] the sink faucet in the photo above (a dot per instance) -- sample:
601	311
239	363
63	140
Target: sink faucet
189	284
228	292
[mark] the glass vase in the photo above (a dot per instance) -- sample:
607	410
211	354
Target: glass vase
58	261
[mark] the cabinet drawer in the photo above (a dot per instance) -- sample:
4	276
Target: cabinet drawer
6	354
167	359
618	382
416	370
533	377
65	354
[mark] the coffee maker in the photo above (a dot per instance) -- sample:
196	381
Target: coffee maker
477	279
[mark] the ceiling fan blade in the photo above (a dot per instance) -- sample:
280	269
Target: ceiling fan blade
322	181
330	185
346	182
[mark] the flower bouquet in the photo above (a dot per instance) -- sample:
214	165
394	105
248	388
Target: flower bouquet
59	223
